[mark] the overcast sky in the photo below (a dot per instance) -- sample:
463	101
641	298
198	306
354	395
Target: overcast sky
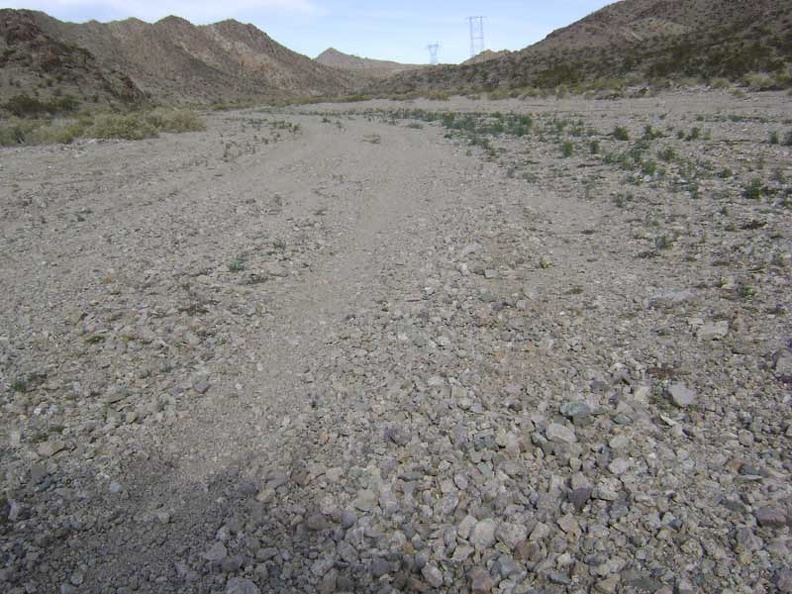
399	31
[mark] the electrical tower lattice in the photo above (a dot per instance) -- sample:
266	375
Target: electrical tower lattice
433	49
476	35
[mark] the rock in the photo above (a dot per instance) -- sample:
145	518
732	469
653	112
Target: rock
462	552
466	526
366	500
579	497
481	581
771	516
348	519
783	581
560	433
578	412
237	585
713	331
511	534
483	534
347	552
681	395
317	523
783	365
607	586
329	582
432	575
48	449
217	552
201	386
619	466
379	567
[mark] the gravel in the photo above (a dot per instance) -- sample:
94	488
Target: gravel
359	356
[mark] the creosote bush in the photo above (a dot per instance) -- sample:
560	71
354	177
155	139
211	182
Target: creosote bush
129	126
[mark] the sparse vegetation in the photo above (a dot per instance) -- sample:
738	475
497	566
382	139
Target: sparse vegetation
123	126
621	133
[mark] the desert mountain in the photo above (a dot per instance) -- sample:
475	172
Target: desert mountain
379	68
646	39
43	66
175	61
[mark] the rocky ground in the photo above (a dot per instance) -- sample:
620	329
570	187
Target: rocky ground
378	348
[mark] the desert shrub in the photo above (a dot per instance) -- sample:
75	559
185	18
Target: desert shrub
755	189
125	127
668	154
58	132
498	94
759	81
438	96
175	120
24	106
621	133
14	132
567	149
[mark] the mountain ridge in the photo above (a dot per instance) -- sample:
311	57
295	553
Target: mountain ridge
172	60
634	39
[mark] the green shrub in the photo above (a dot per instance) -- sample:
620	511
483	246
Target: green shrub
175	120
774	138
755	189
567	149
621	133
124	127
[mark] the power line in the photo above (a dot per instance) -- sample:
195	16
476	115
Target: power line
476	35
433	49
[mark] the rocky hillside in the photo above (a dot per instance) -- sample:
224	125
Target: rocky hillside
486	56
645	39
175	61
379	68
52	73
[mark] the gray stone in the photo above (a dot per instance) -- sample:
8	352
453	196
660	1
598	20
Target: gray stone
713	330
483	534
772	516
348	519
578	412
432	575
579	498
217	552
512	534
560	433
783	581
681	395
379	567
466	526
201	386
317	523
237	585
481	581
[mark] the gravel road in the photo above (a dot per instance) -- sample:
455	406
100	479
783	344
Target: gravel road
363	348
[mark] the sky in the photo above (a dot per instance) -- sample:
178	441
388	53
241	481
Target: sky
398	31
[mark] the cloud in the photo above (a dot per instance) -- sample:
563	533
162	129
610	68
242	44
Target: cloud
152	10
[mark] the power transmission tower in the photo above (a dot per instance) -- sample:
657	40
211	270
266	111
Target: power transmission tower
433	49
476	35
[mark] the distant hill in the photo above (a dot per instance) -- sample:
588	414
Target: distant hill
486	56
644	39
170	61
378	68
